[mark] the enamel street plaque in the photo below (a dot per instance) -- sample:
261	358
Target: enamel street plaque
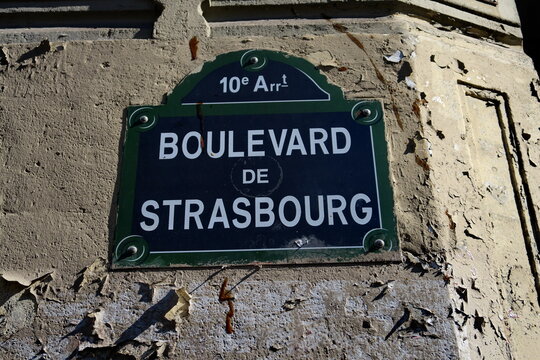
255	159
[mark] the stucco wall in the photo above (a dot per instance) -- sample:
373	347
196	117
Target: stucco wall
463	152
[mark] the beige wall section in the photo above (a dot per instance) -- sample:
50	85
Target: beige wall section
479	118
463	153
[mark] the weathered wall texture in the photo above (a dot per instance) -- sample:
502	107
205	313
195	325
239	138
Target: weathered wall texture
461	119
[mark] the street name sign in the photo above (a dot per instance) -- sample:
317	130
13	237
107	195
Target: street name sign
254	159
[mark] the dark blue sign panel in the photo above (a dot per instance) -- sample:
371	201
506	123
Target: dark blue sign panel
255	159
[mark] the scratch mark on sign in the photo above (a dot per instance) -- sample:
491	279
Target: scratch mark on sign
200	116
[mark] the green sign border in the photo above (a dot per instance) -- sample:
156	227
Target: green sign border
132	250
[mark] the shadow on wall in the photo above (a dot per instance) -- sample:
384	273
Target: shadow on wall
116	18
528	13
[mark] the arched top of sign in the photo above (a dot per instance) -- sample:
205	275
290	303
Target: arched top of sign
254	76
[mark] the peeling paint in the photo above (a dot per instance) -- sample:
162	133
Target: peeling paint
181	308
463	290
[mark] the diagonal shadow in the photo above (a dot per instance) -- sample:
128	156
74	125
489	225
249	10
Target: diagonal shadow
206	280
154	314
401	321
250	274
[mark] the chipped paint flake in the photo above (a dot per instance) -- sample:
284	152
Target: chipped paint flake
181	308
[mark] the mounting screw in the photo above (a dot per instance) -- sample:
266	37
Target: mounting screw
365	112
378	244
131	250
143	119
253	60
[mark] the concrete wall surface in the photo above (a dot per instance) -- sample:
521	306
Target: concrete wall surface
461	116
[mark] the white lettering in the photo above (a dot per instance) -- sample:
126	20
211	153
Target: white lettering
185	150
367	211
336	210
248	176
281	211
278	147
219	207
209	147
241	212
290	211
149	215
233	153
259	211
234	84
313	141
252	142
346	147
163	144
255	143
262	176
296	143
196	215
307	204
248	173
260	84
171	204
